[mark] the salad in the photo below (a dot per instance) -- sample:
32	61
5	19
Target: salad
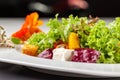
77	39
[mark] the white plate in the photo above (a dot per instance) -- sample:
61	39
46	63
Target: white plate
60	67
53	66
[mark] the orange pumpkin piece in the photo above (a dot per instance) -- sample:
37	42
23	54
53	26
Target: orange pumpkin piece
73	41
30	49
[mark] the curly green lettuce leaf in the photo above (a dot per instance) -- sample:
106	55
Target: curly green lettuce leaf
42	40
102	39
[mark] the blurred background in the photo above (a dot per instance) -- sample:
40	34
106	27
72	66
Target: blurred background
48	8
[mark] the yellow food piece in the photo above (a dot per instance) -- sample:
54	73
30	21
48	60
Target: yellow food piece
73	41
30	49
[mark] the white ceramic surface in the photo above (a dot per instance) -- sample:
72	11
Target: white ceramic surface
52	66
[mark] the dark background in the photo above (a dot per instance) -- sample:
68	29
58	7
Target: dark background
20	8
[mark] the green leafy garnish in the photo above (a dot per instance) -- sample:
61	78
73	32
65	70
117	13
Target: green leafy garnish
15	40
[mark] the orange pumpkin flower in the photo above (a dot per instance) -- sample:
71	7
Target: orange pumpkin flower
29	27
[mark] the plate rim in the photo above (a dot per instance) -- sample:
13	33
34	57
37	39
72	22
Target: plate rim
19	61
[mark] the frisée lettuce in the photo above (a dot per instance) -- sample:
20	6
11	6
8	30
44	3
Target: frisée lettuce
95	34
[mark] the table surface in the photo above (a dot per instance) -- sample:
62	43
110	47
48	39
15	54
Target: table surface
17	72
